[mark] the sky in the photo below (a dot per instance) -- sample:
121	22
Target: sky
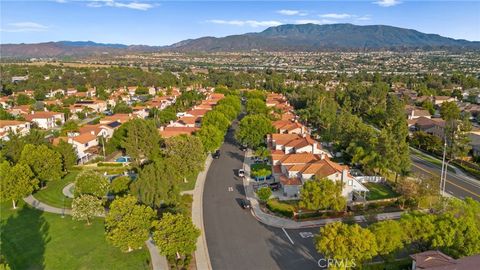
165	22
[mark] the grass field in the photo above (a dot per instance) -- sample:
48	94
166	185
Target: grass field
53	195
379	191
31	239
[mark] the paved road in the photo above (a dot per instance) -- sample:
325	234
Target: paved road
456	185
235	239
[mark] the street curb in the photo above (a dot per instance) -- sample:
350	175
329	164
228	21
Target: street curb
202	257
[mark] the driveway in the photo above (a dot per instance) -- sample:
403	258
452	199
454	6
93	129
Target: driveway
235	239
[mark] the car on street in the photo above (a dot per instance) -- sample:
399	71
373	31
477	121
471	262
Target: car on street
216	155
245	204
241	173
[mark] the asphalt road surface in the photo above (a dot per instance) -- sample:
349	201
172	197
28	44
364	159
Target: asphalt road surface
235	239
456	185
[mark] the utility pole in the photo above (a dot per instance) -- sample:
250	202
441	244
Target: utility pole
442	189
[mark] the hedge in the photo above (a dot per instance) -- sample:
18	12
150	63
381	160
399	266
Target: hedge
281	208
109	164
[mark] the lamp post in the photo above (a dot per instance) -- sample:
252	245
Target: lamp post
63	208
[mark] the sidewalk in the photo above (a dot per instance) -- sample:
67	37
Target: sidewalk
202	258
280	222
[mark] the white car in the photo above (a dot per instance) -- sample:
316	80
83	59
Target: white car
241	173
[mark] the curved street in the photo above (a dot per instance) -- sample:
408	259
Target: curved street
235	239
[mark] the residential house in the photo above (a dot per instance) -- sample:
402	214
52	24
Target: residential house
413	112
438	100
13	126
474	137
433	126
46	120
295	143
436	260
167	132
289	127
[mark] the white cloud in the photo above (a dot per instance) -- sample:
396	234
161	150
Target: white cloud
336	15
363	18
61	1
387	3
251	23
322	21
291	12
24	27
112	3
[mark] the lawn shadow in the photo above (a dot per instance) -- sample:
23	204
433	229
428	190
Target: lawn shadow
24	236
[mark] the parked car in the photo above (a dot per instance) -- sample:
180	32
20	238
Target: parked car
216	155
274	186
245	204
241	173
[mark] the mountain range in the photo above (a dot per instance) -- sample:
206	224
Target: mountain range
289	37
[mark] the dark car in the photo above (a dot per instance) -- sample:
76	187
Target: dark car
216	155
245	204
274	186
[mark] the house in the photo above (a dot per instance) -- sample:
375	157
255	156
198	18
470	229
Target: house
289	127
14	126
436	260
196	113
19	78
413	112
295	143
4	102
85	145
293	170
46	120
474	137
94	105
119	117
187	121
438	100
432	126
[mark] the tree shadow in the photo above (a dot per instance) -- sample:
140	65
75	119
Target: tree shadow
24	236
235	155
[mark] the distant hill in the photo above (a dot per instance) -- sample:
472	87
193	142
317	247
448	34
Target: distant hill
313	37
289	37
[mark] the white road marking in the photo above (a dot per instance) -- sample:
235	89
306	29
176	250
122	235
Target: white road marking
306	234
230	188
288	236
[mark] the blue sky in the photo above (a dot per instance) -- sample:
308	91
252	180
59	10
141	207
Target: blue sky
165	22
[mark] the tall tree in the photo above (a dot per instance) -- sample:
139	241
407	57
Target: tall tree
322	194
69	155
16	182
86	207
128	223
253	129
350	243
157	184
389	236
256	106
175	234
186	153
142	140
45	163
211	137
217	119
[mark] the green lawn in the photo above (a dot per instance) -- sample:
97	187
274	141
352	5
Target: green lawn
379	191
31	239
395	265
53	195
189	185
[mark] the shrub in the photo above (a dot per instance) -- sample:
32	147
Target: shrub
264	193
280	208
109	164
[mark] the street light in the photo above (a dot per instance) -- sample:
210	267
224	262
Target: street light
63	208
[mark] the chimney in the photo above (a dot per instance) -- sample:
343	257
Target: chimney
303	129
92	132
314	148
344	175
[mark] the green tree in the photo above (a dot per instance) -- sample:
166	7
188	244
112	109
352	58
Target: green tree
253	129
216	119
350	243
16	182
322	194
256	106
69	155
45	163
186	153
86	207
157	184
128	224
211	137
449	111
120	185
142	140
227	110
23	99
69	126
91	183
175	234
264	193
122	107
389	236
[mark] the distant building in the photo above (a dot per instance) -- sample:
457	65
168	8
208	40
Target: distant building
19	78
